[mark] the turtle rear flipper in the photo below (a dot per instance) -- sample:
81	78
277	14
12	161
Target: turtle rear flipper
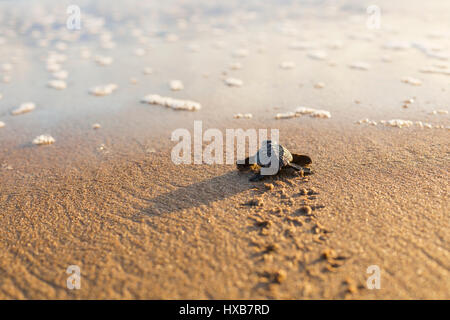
256	177
300	160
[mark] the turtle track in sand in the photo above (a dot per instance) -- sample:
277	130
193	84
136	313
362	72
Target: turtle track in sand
288	243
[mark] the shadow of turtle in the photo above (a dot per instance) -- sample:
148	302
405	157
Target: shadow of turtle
200	193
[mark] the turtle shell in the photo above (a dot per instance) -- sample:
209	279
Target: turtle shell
269	148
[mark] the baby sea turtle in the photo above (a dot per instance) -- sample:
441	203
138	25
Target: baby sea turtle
273	151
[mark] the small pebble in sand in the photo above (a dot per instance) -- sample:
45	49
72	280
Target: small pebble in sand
235	66
280	276
272	248
176	85
303	192
43	139
360	66
255	203
96	126
287	65
175	104
263	224
24	108
328	254
269	186
233	82
2	124
411	81
351	286
57	84
319	85
148	71
103	90
243	116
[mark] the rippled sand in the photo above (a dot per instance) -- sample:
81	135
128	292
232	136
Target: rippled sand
112	202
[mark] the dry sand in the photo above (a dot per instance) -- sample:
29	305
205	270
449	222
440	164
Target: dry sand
112	202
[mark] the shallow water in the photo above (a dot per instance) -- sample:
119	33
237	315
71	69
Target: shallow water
196	42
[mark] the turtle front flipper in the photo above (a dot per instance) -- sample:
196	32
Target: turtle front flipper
300	160
294	166
303	170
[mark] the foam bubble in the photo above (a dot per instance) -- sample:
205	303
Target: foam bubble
176	85
24	108
43	139
175	104
233	82
57	84
243	116
412	81
285	115
103	90
315	113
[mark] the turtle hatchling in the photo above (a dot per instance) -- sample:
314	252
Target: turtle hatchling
269	152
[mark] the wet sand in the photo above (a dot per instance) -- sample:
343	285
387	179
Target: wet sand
112	202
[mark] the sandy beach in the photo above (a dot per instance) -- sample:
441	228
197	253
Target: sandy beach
109	199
